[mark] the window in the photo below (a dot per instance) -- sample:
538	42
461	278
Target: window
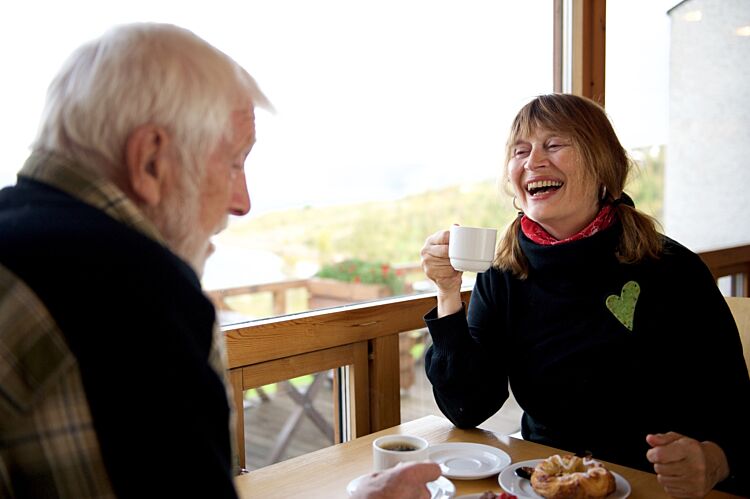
390	125
678	99
637	92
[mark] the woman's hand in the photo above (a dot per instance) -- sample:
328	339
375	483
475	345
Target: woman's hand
684	466
405	481
437	267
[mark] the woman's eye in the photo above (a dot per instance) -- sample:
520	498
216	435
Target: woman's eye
521	152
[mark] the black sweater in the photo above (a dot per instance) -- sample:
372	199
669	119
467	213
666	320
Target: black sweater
585	380
140	327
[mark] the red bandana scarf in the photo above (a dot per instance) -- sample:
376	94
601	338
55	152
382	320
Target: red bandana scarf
536	233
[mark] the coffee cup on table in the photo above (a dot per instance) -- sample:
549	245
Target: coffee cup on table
471	249
390	450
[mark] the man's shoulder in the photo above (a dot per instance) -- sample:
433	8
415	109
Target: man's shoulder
41	226
33	209
78	259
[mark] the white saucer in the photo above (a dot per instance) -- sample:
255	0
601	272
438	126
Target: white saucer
521	487
442	488
468	461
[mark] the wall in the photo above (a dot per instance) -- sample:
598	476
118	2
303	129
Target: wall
707	173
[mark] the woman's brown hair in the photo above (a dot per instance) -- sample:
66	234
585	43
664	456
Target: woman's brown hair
587	126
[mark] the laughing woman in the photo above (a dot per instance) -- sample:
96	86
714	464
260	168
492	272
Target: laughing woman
615	338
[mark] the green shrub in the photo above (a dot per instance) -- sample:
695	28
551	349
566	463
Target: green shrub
355	270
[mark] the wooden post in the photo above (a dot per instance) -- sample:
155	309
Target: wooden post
385	401
279	302
360	391
235	378
589	44
557	46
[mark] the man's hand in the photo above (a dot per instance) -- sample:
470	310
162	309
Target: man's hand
684	466
405	481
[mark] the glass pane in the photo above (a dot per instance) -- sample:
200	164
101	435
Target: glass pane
679	99
637	90
288	419
417	399
390	125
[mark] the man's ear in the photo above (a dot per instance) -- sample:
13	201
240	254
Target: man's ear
148	163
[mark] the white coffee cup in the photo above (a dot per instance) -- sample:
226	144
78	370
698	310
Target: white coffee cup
390	450
471	249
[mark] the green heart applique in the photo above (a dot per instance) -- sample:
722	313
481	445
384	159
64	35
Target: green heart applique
623	306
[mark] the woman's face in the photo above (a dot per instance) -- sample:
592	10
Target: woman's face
550	183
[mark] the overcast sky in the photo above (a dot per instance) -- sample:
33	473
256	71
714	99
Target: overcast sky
374	99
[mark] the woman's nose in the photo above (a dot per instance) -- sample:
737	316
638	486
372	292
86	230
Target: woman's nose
536	159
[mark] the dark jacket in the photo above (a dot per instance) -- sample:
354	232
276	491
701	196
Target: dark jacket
586	379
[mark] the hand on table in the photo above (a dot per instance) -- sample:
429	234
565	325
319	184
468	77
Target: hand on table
405	481
684	466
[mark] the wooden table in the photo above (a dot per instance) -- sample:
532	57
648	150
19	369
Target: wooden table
326	473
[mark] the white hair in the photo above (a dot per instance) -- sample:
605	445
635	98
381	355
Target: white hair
140	74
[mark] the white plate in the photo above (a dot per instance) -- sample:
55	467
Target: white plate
521	487
442	488
468	461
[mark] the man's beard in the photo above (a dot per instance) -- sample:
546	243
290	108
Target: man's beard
178	221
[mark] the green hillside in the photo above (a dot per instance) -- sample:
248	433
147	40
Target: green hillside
394	231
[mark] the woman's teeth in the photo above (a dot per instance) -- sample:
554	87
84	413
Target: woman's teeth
542	186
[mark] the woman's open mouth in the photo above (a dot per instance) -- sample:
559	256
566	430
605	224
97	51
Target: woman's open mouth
540	187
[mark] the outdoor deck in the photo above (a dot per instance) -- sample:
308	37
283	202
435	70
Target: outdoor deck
264	420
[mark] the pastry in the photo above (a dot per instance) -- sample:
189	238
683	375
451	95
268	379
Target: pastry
572	477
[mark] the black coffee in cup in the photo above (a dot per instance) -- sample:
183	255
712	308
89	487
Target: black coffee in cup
389	450
399	446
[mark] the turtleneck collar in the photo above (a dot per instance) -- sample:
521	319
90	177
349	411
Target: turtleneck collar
575	257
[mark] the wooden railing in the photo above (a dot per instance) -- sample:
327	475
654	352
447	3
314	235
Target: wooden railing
733	263
365	337
278	290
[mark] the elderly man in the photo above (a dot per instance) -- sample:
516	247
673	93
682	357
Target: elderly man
112	372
